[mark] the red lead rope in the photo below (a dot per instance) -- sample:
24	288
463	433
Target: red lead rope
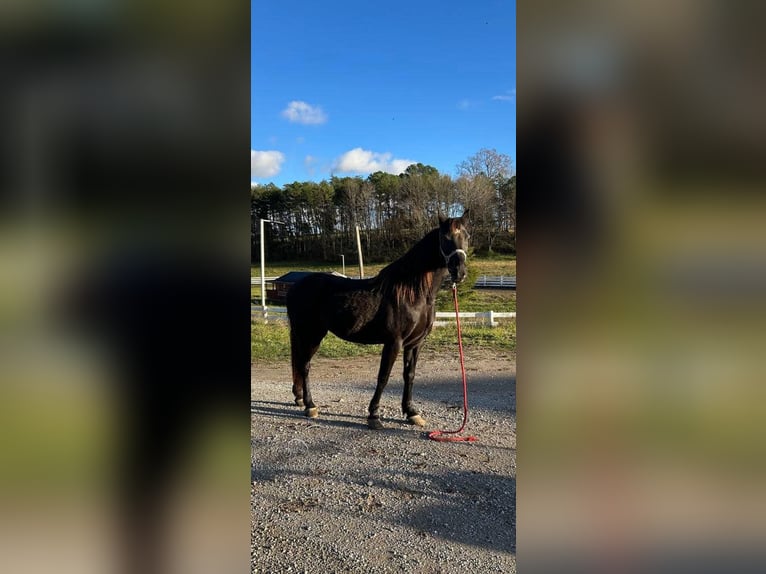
437	435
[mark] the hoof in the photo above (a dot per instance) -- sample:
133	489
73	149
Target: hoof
312	412
299	402
416	420
374	423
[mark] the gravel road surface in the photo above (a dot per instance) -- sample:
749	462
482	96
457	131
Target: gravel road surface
330	495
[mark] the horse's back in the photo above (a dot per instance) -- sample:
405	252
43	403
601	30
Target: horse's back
346	307
303	293
318	291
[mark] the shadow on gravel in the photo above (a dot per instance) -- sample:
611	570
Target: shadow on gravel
495	394
466	507
286	410
472	503
291	412
265	407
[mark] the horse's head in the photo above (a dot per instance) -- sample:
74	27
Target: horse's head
453	243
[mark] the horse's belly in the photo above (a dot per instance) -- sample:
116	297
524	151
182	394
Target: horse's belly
360	326
363	338
366	333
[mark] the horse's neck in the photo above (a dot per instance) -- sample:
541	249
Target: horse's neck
437	280
421	266
421	259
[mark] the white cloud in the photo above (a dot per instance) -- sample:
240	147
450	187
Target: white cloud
506	97
360	161
303	113
399	165
464	104
265	163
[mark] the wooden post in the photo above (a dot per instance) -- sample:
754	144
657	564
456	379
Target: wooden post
359	249
263	269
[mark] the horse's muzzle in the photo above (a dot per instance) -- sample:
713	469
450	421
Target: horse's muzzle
458	276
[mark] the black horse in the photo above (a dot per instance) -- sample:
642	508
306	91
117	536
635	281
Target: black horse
395	309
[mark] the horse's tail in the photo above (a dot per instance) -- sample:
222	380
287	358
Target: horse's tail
292	303
294	344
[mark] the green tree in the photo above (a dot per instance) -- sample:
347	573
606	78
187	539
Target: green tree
508	204
419	184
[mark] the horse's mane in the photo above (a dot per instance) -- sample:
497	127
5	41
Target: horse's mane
411	276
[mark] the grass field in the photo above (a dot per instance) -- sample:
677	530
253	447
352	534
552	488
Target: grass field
271	341
470	299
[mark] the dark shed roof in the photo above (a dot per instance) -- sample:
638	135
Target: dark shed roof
295	276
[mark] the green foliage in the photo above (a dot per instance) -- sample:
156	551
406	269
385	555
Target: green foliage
392	212
500	338
333	347
271	342
477	300
470	299
418	169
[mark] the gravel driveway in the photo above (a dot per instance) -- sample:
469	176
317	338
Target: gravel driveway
329	495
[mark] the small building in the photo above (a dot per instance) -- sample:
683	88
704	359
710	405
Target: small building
277	290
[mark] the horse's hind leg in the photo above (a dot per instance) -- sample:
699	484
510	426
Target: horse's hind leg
302	349
410	359
299	370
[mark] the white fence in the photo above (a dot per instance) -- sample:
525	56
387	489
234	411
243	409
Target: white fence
443	318
489	318
484	281
495	282
270	314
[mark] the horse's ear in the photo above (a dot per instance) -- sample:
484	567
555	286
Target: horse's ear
456	224
442	219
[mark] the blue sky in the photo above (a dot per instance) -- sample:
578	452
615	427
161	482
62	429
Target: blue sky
351	87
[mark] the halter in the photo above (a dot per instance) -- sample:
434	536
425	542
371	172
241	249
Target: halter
448	257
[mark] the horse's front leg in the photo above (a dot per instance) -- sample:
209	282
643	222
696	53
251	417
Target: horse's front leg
387	359
410	362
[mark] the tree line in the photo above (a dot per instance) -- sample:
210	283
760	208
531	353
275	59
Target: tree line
318	219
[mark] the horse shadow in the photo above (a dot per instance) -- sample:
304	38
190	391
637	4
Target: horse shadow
466	506
329	419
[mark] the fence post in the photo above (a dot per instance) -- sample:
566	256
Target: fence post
491	318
